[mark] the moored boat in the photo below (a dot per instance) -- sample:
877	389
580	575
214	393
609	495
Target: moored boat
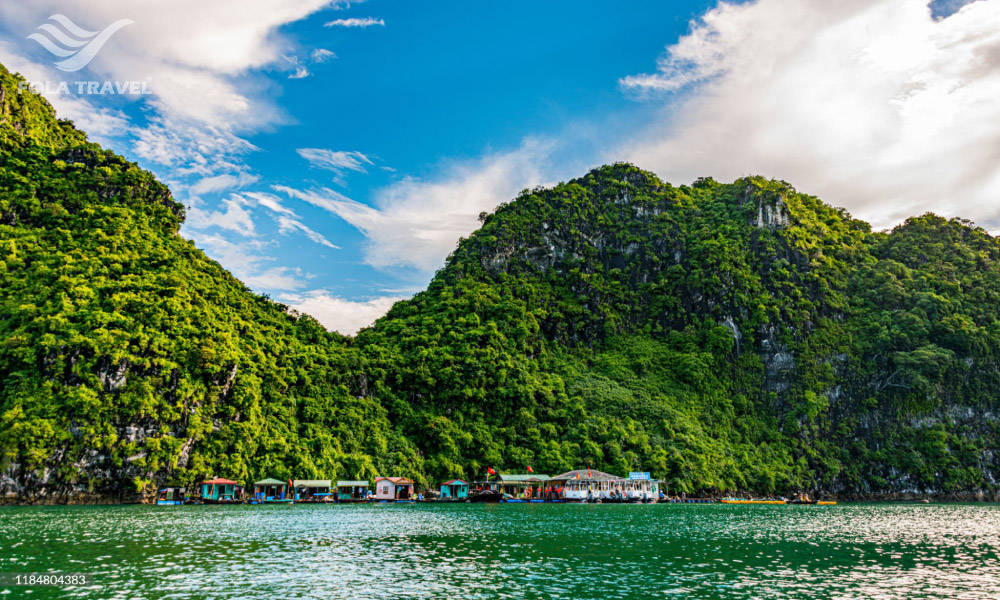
487	496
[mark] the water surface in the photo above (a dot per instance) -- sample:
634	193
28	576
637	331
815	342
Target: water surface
509	551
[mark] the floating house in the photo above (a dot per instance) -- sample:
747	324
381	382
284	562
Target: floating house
640	487
271	490
523	485
352	491
393	489
312	490
587	485
456	489
221	491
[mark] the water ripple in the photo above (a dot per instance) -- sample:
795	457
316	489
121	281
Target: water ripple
510	551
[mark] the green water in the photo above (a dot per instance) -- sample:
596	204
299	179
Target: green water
509	551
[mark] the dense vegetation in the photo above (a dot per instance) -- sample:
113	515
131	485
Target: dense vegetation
723	336
129	358
726	337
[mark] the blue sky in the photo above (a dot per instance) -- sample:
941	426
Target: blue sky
436	84
331	154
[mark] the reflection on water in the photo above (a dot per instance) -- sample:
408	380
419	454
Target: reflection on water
510	551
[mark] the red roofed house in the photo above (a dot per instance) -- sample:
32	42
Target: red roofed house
388	489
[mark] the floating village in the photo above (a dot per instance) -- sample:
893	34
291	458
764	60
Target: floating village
578	486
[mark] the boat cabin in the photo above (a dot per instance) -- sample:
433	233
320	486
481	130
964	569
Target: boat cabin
393	489
312	490
454	489
270	489
352	491
220	490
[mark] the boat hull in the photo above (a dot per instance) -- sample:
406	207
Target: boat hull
488	497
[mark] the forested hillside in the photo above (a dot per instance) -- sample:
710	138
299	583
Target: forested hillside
129	359
726	337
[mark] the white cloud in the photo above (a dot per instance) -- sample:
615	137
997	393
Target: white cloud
289	224
417	223
338	314
270	202
300	73
336	161
202	62
875	106
322	55
364	22
235	218
246	262
226	181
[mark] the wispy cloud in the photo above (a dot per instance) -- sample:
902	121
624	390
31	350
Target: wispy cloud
288	224
286	218
356	22
875	106
219	59
249	262
322	55
416	223
337	161
226	181
234	218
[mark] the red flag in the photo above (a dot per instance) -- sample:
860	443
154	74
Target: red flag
589	476
530	470
577	474
490	471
